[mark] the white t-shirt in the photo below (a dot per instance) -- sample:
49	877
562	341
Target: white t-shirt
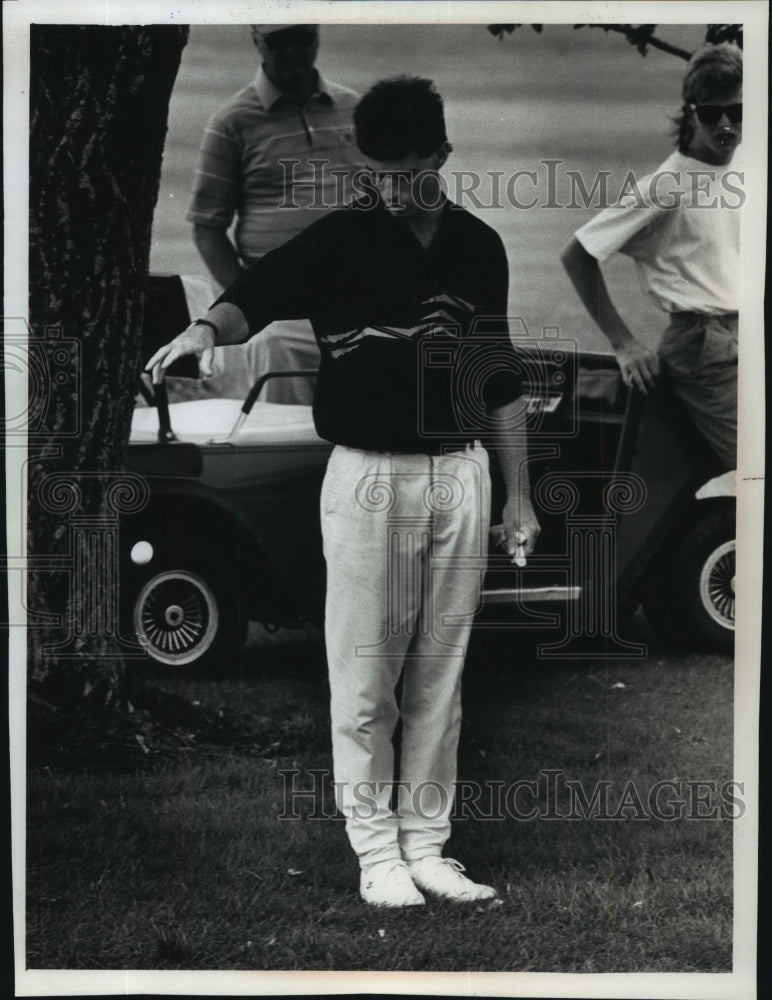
681	225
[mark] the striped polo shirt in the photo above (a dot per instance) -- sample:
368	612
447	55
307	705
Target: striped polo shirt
275	165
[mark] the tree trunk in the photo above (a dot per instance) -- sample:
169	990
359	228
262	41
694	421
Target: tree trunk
99	107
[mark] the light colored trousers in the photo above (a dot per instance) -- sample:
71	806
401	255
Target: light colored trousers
699	354
405	539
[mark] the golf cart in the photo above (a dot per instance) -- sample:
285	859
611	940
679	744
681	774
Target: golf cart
631	505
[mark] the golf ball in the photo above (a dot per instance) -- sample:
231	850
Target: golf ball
142	553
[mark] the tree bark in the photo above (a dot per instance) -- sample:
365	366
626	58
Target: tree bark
99	107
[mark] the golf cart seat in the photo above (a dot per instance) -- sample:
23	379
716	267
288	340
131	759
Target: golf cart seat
202	421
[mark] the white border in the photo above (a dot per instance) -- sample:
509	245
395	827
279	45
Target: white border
753	13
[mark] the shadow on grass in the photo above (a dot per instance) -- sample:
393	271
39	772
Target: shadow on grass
192	859
262	702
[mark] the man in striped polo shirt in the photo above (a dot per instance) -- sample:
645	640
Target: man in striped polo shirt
276	156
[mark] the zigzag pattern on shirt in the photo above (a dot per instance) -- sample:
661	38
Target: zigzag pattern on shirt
449	313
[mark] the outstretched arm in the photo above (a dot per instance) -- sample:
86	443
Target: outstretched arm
639	364
258	295
228	326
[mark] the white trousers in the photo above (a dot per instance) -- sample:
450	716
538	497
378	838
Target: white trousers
405	539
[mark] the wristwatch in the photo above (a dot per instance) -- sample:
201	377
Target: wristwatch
207	322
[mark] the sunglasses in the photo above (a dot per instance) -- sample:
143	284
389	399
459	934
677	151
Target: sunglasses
711	114
300	37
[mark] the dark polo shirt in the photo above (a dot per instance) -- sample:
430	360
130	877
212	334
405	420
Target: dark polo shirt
415	346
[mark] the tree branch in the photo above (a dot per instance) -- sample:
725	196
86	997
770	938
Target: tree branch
643	35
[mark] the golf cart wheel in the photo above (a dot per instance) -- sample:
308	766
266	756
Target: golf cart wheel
690	597
186	617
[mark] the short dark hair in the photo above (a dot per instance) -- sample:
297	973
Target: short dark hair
713	71
399	117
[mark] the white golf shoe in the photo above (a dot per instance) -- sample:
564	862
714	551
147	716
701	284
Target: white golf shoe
444	877
388	883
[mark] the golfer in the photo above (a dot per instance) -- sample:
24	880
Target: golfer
682	228
406	293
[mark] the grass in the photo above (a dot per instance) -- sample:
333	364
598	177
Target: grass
184	863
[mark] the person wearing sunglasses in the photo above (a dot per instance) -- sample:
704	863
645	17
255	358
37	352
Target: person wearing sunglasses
682	228
276	156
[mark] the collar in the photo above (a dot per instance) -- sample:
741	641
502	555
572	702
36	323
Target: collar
269	94
691	164
382	217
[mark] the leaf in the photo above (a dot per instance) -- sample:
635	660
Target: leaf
499	30
489	905
718	33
